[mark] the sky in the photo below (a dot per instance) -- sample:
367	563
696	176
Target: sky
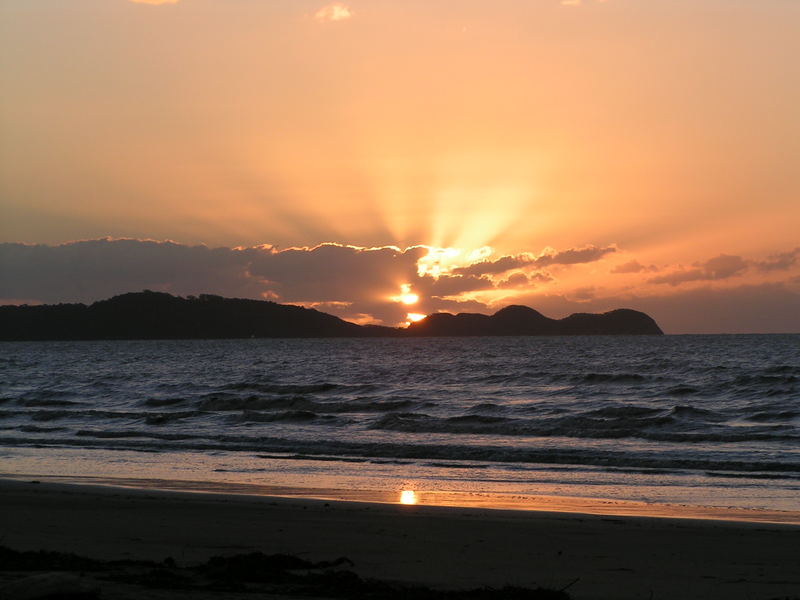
384	159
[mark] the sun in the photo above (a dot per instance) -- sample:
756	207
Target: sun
406	296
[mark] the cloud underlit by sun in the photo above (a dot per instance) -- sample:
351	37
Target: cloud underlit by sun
577	2
155	2
336	11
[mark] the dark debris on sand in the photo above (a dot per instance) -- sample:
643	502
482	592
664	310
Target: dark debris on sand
251	575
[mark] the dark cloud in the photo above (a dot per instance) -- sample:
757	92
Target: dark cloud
358	283
451	285
333	272
633	266
346	280
574	256
494	267
780	262
85	271
723	266
89	270
503	264
521	280
515	280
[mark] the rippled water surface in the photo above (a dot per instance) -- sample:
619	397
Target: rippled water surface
697	419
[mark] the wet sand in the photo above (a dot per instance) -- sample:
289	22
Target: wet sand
600	556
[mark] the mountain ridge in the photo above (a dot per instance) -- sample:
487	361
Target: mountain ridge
159	315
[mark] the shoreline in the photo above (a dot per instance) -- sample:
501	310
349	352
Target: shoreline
596	506
619	557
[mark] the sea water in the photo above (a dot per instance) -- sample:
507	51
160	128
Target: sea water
702	420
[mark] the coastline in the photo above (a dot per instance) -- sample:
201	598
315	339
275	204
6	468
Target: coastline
599	556
540	503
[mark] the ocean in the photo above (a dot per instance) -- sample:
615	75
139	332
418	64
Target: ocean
686	420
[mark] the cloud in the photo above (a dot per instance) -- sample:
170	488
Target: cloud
515	280
494	267
336	11
723	266
90	270
573	256
633	266
548	257
352	279
452	285
357	283
155	2
523	281
334	272
780	262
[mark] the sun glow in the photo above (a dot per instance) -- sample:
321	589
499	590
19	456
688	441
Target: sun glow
406	296
408	497
440	261
414	317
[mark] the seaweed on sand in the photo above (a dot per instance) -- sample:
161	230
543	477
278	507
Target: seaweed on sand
251	574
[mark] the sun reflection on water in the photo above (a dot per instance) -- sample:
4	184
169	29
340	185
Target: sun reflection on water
408	497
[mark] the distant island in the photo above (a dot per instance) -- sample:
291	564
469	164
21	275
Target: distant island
158	315
522	320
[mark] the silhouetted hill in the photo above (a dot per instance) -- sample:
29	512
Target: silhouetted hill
521	320
156	315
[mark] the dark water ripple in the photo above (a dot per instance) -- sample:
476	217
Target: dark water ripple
724	404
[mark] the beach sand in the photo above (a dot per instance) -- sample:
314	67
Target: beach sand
594	556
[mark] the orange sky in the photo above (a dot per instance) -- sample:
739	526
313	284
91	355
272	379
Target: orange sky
664	130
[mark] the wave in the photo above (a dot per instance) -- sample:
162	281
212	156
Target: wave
90	415
158	402
633	404
777	415
134	434
392	453
291	416
33	402
766	379
280	388
780	369
487	407
170	417
682	390
612	378
679	424
38	429
231	403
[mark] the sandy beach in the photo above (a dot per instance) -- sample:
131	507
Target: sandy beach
594	556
